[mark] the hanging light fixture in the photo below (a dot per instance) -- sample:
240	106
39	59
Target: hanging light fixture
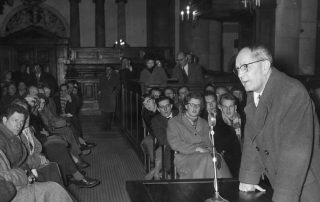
251	4
189	13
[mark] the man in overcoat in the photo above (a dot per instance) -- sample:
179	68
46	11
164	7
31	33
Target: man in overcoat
108	91
185	72
281	133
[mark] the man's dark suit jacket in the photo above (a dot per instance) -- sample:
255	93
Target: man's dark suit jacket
195	75
159	130
226	143
45	78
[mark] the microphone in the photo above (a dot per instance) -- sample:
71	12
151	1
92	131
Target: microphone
212	120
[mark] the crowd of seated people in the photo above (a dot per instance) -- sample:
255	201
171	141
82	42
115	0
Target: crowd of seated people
181	124
41	141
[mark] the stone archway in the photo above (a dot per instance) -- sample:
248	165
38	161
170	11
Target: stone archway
36	34
41	16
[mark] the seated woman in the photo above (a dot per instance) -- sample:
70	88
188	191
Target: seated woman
59	126
188	135
13	167
72	110
55	149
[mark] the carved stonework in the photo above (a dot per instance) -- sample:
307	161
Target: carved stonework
3	3
32	2
120	1
36	16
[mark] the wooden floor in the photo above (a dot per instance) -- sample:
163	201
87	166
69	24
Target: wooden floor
113	161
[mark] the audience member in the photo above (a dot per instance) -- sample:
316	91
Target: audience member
149	111
220	90
38	76
56	150
159	130
183	91
155	92
22	89
9	97
22	75
209	87
6	78
170	93
13	165
188	135
108	90
152	75
225	139
185	72
230	116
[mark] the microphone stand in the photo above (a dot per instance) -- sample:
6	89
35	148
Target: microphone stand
216	197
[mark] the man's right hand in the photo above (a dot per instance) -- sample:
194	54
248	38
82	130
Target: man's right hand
250	187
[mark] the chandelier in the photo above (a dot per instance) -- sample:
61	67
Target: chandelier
120	44
251	4
189	13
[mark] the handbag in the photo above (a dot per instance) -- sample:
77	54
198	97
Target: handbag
50	172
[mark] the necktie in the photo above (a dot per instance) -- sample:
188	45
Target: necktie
184	74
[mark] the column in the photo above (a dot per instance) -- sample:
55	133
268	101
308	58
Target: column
160	23
121	15
100	23
74	23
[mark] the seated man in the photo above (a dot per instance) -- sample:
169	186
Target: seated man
13	167
149	111
183	91
220	90
170	93
155	92
70	109
225	139
188	135
55	149
228	107
159	130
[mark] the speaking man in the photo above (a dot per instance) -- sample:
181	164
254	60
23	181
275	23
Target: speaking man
281	133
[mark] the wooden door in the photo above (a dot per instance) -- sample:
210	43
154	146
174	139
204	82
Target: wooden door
45	56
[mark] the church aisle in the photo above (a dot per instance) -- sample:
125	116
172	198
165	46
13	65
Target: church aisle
113	161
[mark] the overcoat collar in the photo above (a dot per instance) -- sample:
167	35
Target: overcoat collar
259	114
188	125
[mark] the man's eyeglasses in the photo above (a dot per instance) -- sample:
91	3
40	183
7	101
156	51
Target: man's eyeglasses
147	101
244	67
180	59
195	106
163	107
211	103
225	108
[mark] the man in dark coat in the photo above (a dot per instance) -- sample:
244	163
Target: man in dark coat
281	133
159	130
39	77
187	73
225	139
108	91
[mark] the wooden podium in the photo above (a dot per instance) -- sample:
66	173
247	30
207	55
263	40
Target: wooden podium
191	191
